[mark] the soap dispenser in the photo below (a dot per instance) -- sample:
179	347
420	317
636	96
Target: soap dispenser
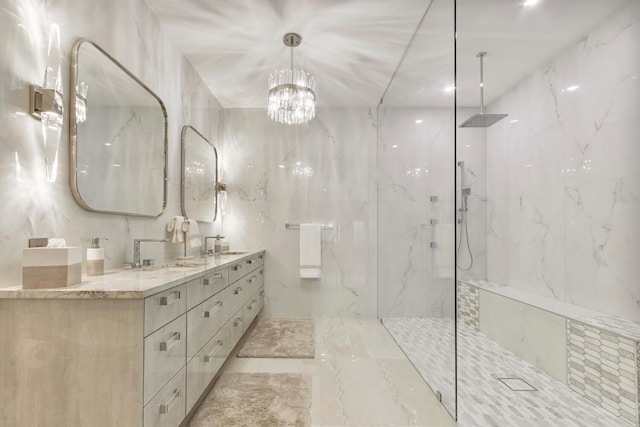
95	257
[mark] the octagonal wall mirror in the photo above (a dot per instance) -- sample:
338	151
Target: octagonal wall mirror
118	136
199	195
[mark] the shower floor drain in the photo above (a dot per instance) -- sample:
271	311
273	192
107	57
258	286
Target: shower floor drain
517	384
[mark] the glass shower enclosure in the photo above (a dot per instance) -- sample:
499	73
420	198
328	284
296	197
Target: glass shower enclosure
416	206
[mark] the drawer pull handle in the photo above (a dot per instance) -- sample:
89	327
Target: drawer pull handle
260	256
217	276
249	261
262	293
206	282
254	278
250	306
261	271
166	407
209	357
237	290
236	267
216	307
168	344
174	297
238	321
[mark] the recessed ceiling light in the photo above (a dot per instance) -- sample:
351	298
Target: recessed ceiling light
448	89
394	146
514	121
530	3
419	121
572	88
281	166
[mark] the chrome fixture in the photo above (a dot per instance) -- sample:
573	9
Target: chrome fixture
46	104
294	226
206	251
482	120
292	96
462	220
136	251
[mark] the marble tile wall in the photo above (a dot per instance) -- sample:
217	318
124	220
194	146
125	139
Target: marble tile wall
602	367
322	172
563	180
416	163
31	205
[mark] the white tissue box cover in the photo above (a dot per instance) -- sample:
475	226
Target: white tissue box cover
45	257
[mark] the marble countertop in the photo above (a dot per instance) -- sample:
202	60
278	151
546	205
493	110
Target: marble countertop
130	283
617	325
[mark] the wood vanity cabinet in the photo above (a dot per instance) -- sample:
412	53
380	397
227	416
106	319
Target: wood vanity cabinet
123	362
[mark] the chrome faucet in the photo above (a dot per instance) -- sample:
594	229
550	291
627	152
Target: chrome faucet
136	250
206	238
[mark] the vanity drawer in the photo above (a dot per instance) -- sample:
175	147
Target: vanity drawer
164	354
251	263
167	408
250	284
204	320
206	363
162	308
250	311
238	270
200	289
236	329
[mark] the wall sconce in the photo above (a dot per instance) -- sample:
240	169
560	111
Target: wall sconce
46	104
221	189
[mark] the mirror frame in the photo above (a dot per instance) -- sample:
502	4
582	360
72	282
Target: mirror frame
182	180
73	132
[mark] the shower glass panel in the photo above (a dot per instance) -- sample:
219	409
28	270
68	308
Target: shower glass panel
416	203
548	212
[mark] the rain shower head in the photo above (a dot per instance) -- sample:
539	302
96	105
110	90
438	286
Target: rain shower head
482	120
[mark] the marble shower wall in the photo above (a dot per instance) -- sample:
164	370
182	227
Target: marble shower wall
415	164
323	172
563	182
34	207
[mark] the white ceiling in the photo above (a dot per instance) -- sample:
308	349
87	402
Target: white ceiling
352	47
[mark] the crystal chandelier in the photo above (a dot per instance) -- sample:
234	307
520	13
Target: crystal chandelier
292	96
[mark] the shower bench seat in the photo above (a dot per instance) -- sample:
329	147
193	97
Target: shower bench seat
595	354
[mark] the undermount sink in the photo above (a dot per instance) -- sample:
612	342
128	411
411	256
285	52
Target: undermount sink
183	266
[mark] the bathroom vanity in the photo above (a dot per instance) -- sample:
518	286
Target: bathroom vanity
130	348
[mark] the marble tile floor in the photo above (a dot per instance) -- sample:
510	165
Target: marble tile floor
360	377
483	400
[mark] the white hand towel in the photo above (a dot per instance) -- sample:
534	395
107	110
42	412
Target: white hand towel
194	239
310	251
443	254
175	227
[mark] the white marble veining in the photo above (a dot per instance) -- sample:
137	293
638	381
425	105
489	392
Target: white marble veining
129	283
562	175
359	377
34	207
416	163
317	172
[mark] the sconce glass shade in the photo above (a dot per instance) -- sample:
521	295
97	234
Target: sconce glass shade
292	97
46	105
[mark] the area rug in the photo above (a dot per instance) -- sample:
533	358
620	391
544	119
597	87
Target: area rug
244	399
281	338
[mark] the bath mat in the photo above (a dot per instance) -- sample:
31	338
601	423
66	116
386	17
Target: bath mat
246	399
281	338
